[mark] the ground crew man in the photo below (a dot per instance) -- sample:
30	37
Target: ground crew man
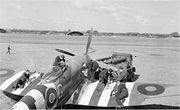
62	58
96	74
121	93
103	76
22	80
92	67
121	75
59	60
9	50
110	75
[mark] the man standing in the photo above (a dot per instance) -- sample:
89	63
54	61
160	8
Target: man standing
121	94
121	75
9	50
59	60
92	68
103	76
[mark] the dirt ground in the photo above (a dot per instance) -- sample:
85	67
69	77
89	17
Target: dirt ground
156	60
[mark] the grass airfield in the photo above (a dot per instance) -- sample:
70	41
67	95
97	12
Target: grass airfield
157	61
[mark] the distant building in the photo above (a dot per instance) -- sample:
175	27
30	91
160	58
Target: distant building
2	31
75	33
175	34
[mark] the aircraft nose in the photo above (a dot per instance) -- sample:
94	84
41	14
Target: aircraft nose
34	99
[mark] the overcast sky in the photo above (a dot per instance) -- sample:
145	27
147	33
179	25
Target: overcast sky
154	16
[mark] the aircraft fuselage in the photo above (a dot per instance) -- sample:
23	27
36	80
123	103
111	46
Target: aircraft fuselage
57	88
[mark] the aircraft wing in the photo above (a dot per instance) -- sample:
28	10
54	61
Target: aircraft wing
149	106
16	94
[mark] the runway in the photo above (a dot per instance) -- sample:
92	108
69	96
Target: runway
157	61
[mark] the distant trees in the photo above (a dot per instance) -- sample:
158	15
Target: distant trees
95	32
132	34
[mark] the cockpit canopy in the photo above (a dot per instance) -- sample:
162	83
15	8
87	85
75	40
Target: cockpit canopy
55	73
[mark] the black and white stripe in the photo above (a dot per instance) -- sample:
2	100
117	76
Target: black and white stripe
96	94
34	99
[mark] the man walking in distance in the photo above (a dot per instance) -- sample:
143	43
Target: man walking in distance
9	50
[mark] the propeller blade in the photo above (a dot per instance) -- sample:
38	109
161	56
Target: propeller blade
92	50
65	52
89	41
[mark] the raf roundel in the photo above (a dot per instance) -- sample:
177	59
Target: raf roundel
7	72
151	89
51	95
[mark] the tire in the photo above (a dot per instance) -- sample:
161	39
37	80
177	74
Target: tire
131	77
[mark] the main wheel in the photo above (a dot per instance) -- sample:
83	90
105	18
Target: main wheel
130	77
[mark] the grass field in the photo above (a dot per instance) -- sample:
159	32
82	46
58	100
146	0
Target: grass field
157	60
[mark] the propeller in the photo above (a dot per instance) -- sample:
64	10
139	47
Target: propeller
89	41
65	52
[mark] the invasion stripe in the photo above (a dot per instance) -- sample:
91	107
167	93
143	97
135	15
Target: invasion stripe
29	101
105	96
42	89
30	86
129	86
87	93
7	85
96	95
19	90
112	100
83	88
38	97
20	106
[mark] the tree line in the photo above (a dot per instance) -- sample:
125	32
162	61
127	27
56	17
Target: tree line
95	32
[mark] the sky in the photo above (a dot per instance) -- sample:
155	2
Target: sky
151	16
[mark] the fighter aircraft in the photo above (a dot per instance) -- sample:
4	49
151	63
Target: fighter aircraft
59	85
54	88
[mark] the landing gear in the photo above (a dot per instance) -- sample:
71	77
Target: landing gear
130	77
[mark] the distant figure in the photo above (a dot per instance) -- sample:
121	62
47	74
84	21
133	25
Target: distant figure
9	50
